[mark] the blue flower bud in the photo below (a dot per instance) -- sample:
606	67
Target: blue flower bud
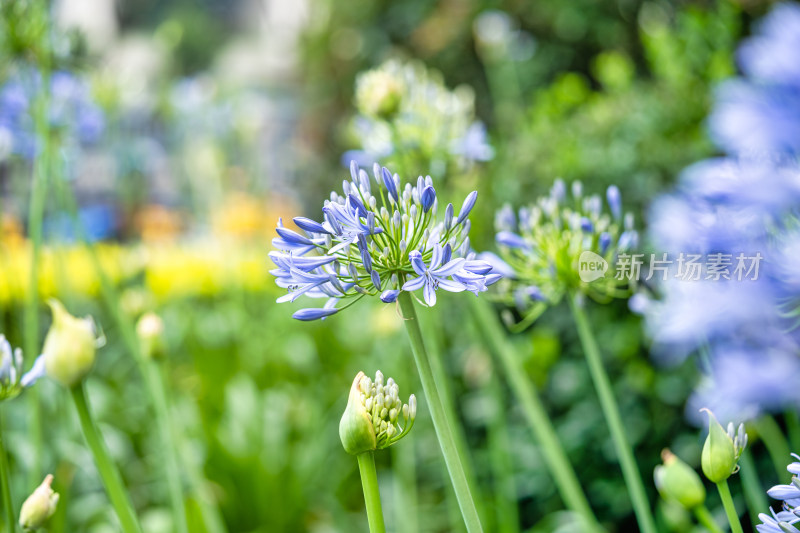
309	225
314	313
293	237
469	203
511	240
427	198
448	216
389	296
388	182
376	279
614	201
586	225
604	242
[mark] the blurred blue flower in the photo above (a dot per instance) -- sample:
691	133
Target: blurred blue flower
71	109
743	204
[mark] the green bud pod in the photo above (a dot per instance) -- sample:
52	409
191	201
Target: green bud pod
70	346
677	481
39	506
150	330
355	428
719	453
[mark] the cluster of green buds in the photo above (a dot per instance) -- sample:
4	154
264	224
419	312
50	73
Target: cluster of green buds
562	243
407	114
39	507
722	449
372	419
70	346
678	482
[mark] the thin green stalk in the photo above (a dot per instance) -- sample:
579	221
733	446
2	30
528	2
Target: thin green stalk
443	431
160	404
793	428
106	468
372	494
434	329
11	521
153	383
706	520
776	443
405	488
555	457
506	504
630	470
730	508
41	170
753	491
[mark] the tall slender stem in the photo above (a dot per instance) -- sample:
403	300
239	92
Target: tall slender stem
555	457
433	329
106	468
753	491
41	169
372	494
777	445
630	471
730	508
165	427
443	431
153	383
405	488
11	521
793	428
706	520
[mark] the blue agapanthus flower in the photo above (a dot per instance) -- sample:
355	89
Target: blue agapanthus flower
542	246
71	109
786	520
741	205
378	239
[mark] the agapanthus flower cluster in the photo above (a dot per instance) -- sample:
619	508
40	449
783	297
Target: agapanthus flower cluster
542	246
787	520
378	238
744	204
403	108
70	109
12	378
375	417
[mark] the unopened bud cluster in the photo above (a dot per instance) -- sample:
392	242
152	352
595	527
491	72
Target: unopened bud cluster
375	417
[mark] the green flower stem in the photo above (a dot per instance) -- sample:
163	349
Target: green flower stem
630	471
405	488
153	382
706	520
108	471
443	431
433	329
555	457
753	491
372	495
41	169
165	427
505	486
777	445
730	508
793	428
11	521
